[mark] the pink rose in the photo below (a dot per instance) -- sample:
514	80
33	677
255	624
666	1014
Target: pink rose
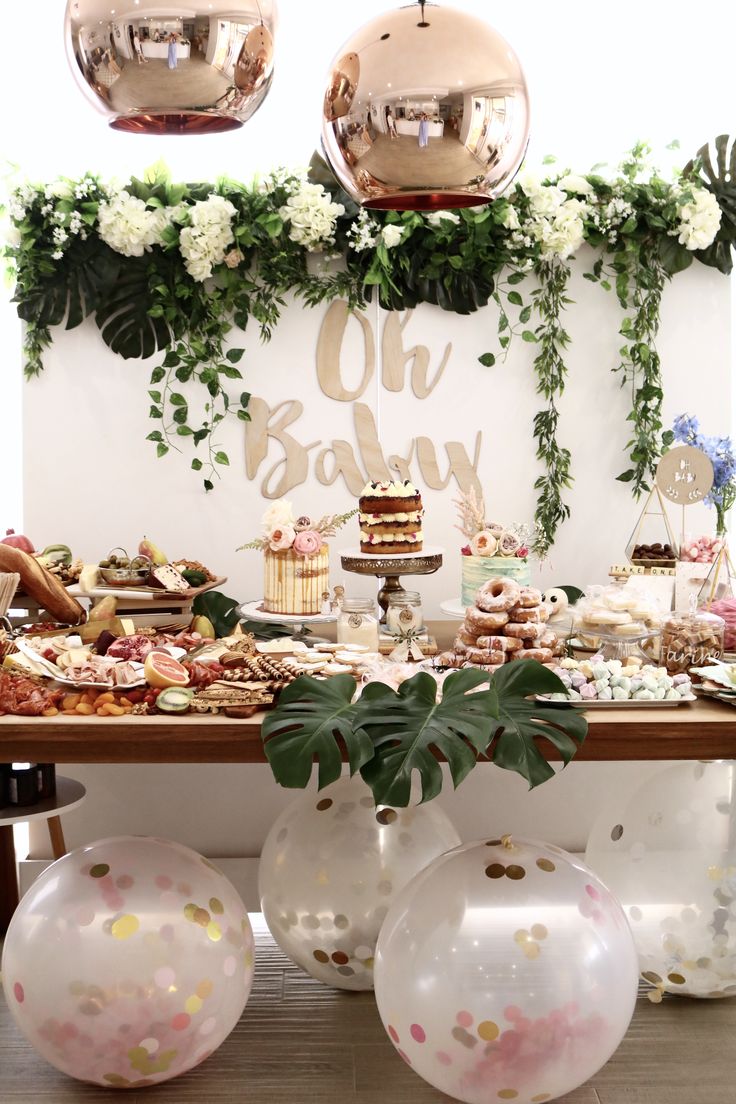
522	552
307	543
281	537
465	550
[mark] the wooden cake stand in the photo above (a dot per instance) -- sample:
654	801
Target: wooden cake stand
391	569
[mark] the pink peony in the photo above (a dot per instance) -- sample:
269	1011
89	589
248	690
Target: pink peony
522	552
483	543
307	543
465	550
281	537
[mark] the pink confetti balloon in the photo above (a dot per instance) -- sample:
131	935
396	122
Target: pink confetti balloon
505	971
128	962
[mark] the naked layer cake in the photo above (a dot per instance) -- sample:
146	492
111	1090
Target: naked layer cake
390	516
294	583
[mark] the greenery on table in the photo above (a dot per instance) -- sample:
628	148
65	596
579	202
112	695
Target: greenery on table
172	269
390	735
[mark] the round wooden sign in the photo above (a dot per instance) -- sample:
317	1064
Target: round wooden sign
685	475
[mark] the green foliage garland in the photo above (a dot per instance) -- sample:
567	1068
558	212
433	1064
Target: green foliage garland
172	268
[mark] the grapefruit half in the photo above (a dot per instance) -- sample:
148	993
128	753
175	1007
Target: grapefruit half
162	670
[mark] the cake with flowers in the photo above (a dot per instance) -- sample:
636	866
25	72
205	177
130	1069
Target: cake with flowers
492	550
390	516
296	560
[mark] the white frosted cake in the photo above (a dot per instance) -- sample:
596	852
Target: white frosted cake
294	583
479	569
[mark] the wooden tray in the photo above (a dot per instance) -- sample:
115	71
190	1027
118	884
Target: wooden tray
146	594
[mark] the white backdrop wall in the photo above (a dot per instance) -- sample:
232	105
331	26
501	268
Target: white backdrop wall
88	476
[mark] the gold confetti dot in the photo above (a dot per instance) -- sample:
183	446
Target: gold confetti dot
214	931
676	979
495	870
546	865
216	906
539	931
341	921
125	926
322	956
204	989
201	917
540	1098
324	804
192	1004
651	977
488	1030
323	878
516	873
531	950
387	816
189	910
507	1094
521	936
99	870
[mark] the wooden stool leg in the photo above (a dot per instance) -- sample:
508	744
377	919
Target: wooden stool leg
56	835
8	877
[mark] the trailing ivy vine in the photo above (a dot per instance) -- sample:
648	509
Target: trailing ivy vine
174	269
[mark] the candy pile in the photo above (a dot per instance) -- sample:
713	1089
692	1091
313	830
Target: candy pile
662	554
726	608
616	611
508	621
598	679
700	549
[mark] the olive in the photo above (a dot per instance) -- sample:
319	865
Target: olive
104	563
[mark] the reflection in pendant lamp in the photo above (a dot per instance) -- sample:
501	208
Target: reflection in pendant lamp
185	70
426	108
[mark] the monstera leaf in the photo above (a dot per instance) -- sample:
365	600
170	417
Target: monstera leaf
720	179
519	721
81	280
408	726
310	718
124	321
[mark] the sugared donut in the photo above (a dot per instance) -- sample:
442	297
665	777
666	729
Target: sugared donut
529	613
499	595
542	655
483	656
529	597
448	659
479	621
491	668
498	643
527	630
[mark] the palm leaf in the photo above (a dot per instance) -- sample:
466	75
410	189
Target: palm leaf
82	279
124	321
310	718
720	179
520	721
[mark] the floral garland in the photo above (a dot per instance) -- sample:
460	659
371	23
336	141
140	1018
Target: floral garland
171	268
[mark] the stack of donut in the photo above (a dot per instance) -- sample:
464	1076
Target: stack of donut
507	622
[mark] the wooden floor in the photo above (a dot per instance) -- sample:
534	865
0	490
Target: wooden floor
301	1043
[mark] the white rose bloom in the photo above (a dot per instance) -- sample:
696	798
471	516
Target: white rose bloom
576	185
436	218
277	516
546	200
312	216
699	220
391	235
561	233
127	225
60	189
511	218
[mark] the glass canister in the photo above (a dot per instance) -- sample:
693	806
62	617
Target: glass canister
690	640
358	623
404	614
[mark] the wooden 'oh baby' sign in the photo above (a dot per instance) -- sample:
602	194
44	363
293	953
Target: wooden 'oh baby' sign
275	426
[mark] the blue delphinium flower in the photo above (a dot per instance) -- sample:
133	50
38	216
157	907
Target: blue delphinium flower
720	452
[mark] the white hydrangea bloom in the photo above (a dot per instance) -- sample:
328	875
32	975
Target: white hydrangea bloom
128	226
312	216
436	218
700	220
391	235
204	243
560	230
511	218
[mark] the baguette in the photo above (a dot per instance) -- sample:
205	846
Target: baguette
41	585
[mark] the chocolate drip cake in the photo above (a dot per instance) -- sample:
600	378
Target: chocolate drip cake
390	516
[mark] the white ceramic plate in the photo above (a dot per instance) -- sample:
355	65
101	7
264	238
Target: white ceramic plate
630	704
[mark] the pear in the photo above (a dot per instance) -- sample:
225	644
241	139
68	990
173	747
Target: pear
202	625
154	553
104	609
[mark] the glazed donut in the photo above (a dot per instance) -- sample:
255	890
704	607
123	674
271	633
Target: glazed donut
465	637
499	595
448	659
479	621
527	630
529	613
498	643
548	639
542	655
491	668
530	596
483	656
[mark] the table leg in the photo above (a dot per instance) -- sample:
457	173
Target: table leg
8	877
56	835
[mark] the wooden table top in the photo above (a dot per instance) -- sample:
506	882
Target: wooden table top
699	730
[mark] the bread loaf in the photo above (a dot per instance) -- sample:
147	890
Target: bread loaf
41	585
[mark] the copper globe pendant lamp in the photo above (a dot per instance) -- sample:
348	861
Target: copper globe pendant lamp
426	108
152	67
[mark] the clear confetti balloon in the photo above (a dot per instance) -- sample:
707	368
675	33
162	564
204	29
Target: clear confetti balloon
506	971
668	852
331	866
128	962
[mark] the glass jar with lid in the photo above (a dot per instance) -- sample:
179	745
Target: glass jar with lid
404	613
358	623
690	640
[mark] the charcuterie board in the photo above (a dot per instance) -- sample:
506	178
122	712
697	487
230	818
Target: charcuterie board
146	594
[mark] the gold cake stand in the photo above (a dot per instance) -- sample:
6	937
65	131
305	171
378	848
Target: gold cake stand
391	569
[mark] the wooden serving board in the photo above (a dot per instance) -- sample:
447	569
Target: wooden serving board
146	594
